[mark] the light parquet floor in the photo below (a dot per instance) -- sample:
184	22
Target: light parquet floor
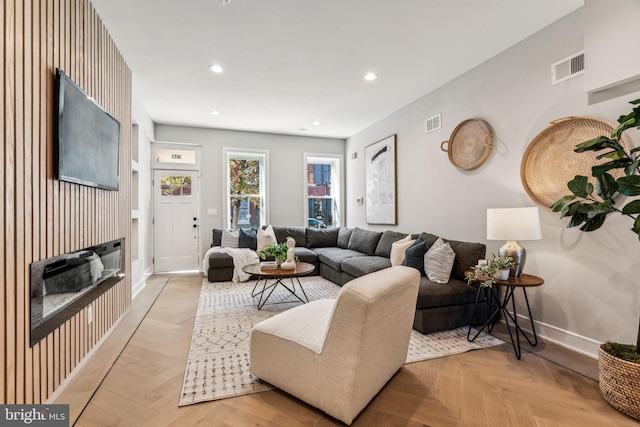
135	379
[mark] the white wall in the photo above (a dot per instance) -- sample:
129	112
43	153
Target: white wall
591	291
286	163
143	265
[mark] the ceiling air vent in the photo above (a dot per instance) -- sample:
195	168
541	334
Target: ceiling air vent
567	68
433	123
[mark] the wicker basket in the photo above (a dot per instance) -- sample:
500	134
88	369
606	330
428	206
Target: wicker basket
549	161
620	383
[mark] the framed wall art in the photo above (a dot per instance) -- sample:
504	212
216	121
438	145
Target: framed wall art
380	186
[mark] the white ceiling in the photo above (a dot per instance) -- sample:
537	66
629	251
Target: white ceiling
290	62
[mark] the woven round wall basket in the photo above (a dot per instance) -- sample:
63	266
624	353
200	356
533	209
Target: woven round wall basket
470	144
620	383
549	161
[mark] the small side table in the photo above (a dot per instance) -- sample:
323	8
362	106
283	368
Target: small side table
524	281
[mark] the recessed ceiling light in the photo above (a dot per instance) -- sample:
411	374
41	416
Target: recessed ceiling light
316	122
224	1
216	68
370	76
215	112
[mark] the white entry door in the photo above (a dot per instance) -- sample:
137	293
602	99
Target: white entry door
175	196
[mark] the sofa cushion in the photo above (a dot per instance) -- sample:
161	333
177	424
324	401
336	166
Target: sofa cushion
438	261
361	265
386	240
322	237
247	238
344	234
333	257
467	255
306	255
217	237
364	241
220	260
414	255
298	233
435	295
429	239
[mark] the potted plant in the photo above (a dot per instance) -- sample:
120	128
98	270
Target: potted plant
277	250
619	364
487	273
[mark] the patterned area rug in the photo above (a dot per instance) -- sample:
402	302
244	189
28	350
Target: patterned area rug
218	363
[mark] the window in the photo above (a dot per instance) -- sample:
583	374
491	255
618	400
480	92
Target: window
246	188
171	185
322	195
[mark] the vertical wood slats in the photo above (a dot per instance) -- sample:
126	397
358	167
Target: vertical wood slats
39	216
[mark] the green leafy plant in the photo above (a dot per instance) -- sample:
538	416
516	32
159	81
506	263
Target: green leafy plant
486	273
589	210
582	206
278	251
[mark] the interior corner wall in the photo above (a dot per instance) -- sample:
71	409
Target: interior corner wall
144	205
286	164
39	216
591	292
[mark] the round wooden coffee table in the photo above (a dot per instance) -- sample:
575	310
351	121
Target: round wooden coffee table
272	277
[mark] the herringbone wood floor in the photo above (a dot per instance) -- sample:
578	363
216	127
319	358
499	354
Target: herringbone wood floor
143	360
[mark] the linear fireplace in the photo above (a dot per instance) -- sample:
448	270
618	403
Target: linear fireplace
63	285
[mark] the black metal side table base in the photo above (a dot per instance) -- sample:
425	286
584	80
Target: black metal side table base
502	308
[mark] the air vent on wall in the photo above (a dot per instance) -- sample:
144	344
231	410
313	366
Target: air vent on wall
567	68
433	123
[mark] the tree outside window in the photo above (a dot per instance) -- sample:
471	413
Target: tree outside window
245	190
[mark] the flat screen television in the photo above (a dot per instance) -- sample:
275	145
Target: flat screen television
88	138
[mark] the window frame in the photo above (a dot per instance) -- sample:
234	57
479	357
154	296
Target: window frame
337	162
246	154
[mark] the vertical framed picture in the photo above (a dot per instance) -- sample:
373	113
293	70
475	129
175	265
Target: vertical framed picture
380	173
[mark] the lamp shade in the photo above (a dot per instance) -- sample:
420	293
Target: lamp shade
513	224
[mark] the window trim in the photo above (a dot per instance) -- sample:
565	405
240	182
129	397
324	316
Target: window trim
338	161
250	154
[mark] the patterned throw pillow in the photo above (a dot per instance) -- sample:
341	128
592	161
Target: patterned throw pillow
398	248
438	262
230	239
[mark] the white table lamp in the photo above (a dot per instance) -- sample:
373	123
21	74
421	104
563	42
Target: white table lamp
513	224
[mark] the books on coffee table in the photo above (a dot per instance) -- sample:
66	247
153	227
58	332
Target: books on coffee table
268	265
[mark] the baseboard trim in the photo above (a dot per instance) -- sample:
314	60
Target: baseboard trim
569	340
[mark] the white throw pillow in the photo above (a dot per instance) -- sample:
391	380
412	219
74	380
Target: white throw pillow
230	239
438	262
398	249
266	237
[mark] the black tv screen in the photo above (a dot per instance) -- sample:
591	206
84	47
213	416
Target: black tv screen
88	138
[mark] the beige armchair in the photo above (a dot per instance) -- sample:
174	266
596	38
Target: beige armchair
337	354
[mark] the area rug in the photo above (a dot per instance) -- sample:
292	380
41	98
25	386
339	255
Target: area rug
218	363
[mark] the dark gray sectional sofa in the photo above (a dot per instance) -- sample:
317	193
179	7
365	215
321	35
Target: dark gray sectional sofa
342	254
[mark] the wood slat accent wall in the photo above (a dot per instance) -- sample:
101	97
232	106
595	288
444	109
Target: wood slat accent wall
41	217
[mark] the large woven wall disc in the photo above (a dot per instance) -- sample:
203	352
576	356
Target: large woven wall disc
549	161
470	144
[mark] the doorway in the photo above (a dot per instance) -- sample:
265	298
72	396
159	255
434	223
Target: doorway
176	220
